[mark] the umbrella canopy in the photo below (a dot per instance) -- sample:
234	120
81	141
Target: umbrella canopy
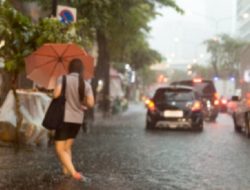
50	61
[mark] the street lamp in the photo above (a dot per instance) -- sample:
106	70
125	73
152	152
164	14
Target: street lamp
189	66
195	60
176	40
215	21
245	16
189	72
216	39
173	55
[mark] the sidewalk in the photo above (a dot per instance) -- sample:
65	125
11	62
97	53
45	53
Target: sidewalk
36	168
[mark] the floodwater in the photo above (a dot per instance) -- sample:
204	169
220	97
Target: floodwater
119	154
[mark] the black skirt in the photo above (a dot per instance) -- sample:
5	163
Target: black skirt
67	131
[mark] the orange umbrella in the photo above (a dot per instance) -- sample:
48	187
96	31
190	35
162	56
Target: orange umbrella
50	61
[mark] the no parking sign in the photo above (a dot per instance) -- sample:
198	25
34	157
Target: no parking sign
66	14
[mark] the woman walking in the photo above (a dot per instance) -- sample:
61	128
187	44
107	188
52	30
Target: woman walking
79	96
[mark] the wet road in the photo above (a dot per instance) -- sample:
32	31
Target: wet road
120	154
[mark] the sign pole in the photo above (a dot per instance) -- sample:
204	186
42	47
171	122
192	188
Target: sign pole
54	7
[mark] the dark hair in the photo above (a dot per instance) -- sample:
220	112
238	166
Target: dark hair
76	66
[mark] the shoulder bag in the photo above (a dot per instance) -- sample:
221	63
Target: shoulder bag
55	114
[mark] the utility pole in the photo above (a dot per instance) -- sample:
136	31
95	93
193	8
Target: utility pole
54	6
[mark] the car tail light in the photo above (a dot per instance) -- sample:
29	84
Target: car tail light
216	102
146	101
151	105
196	106
248	102
197	80
224	101
216	95
143	98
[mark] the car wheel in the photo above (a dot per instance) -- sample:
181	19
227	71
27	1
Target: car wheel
199	127
213	118
150	124
237	128
247	119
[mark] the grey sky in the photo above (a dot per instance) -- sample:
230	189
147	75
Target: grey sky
180	37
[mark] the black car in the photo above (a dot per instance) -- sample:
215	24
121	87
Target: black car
175	107
207	91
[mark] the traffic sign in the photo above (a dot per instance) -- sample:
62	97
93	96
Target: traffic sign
66	14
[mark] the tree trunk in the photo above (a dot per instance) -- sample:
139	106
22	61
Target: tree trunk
5	85
215	67
237	76
102	70
19	117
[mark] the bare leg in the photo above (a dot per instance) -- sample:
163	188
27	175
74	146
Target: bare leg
68	148
65	157
65	170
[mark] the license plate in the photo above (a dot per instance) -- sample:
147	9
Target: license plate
177	113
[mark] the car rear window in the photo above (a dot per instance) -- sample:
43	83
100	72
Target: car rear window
204	87
169	95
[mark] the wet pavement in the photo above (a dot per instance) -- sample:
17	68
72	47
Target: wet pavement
119	154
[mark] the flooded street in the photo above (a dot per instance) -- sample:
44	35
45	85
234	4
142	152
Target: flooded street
176	61
120	154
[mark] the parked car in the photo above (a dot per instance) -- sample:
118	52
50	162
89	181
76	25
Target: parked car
232	105
241	115
175	107
210	98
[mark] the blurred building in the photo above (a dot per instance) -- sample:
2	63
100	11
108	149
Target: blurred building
243	19
243	32
245	71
